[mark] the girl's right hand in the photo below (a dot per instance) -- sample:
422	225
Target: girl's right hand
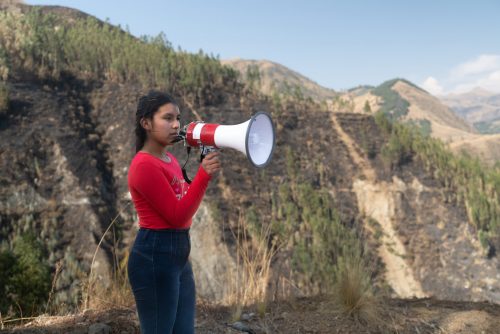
211	163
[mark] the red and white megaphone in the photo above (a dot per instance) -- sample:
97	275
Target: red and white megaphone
255	138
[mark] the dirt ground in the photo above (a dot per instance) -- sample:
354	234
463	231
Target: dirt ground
305	315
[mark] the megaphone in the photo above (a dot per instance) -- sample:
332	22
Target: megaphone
255	138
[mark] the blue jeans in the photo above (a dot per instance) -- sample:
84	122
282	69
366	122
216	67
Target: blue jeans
162	281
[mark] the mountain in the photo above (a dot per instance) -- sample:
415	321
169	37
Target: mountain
448	127
409	103
345	191
479	107
429	112
271	77
440	117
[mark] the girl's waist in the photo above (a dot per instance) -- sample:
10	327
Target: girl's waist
164	230
162	239
156	223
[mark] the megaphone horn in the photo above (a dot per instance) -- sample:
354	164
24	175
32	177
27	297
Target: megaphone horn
255	138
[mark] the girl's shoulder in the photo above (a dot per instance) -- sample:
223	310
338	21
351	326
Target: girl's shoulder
142	158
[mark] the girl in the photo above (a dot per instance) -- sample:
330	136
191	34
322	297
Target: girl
158	268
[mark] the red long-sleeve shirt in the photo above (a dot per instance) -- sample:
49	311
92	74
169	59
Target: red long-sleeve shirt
161	197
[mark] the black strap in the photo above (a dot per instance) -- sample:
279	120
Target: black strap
184	172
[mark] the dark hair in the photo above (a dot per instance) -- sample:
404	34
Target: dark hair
146	108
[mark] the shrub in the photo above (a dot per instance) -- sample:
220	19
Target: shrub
4	65
25	276
7	263
4	98
367	107
315	233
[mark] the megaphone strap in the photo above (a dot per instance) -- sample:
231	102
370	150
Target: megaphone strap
183	168
186	177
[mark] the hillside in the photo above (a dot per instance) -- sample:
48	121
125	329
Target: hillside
269	77
416	106
467	122
448	127
479	107
344	192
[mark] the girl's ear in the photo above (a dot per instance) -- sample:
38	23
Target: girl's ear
146	123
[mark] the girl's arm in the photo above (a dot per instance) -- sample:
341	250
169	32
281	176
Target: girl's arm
152	184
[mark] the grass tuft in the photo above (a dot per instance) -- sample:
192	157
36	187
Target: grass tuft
353	293
250	281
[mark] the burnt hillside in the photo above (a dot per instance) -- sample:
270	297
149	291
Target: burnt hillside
68	147
340	185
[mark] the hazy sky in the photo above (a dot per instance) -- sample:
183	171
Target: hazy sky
443	46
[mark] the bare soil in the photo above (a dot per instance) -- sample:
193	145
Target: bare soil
304	315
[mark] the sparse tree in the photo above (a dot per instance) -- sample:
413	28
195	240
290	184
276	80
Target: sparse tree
367	107
253	75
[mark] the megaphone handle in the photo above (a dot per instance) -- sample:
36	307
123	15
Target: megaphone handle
205	150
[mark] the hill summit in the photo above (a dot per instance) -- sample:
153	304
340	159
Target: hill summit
270	77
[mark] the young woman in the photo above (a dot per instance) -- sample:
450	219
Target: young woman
158	268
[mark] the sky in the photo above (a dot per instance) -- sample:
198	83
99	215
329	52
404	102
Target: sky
444	46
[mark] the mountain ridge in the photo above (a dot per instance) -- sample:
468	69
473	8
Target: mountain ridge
479	107
276	78
451	122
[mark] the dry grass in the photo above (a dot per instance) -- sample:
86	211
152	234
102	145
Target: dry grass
249	282
118	293
59	267
353	294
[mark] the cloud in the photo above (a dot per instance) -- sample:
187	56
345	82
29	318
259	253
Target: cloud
482	64
432	86
490	82
480	72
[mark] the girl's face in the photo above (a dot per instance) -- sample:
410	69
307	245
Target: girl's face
165	124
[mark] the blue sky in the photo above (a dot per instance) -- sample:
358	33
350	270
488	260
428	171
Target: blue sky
444	46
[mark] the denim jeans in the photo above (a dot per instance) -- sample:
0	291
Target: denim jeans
162	281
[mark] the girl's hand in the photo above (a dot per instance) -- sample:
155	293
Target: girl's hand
211	163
